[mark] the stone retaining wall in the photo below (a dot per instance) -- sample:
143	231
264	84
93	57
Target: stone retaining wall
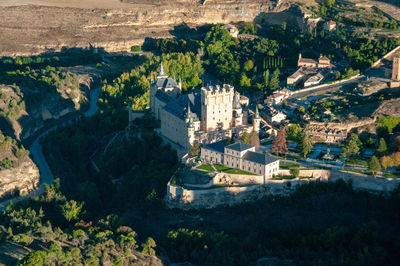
182	198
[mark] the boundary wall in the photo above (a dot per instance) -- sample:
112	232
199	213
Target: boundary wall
198	198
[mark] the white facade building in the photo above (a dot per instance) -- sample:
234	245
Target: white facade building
240	156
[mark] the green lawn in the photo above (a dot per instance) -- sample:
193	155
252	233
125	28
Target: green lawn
356	162
228	170
288	165
205	167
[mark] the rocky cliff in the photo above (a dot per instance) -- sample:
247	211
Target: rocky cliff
33	29
20	179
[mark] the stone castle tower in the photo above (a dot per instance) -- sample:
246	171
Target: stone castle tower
256	121
190	126
396	68
216	107
237	119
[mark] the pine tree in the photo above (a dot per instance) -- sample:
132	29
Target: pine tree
274	82
374	165
307	144
266	80
382	149
279	145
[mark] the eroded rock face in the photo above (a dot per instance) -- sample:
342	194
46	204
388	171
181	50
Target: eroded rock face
31	29
24	177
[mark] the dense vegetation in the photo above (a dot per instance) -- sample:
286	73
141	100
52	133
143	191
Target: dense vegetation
11	152
66	234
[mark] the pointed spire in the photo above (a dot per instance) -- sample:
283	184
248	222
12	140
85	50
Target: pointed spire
162	73
257	115
236	101
188	113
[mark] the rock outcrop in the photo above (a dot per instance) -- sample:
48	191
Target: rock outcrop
22	178
32	29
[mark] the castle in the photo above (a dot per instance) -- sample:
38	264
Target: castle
206	115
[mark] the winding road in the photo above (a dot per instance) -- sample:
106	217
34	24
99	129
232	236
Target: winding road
36	150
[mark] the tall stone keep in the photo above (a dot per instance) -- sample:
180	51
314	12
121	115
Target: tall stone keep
396	68
216	107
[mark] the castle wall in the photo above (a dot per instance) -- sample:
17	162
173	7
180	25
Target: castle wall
179	197
174	129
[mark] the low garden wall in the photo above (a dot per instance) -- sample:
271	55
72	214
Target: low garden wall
183	198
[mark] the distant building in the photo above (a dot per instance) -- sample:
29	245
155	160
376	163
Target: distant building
327	135
323	62
233	31
244	100
306	62
240	156
273	116
330	25
314	80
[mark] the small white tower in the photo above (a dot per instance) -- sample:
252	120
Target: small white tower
256	121
190	126
237	118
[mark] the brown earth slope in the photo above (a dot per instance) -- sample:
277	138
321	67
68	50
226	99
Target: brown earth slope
33	26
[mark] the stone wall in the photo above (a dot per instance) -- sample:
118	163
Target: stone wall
346	126
182	198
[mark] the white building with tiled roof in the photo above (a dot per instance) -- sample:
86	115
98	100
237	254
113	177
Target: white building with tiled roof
240	156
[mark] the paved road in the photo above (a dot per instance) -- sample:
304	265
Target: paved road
36	150
327	87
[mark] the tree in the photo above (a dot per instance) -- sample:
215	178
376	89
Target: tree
274	82
397	143
382	149
266	81
195	149
284	25
386	161
248	65
245	81
395	158
246	138
388	123
186	67
307	144
352	147
301	109
71	210
330	3
35	258
296	172
279	145
294	132
148	246
374	166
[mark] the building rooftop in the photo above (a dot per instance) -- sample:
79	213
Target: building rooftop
216	146
166	83
259	158
239	146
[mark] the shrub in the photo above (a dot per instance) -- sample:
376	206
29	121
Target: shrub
136	48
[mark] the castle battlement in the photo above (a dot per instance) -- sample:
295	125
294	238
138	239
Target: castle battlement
217	89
